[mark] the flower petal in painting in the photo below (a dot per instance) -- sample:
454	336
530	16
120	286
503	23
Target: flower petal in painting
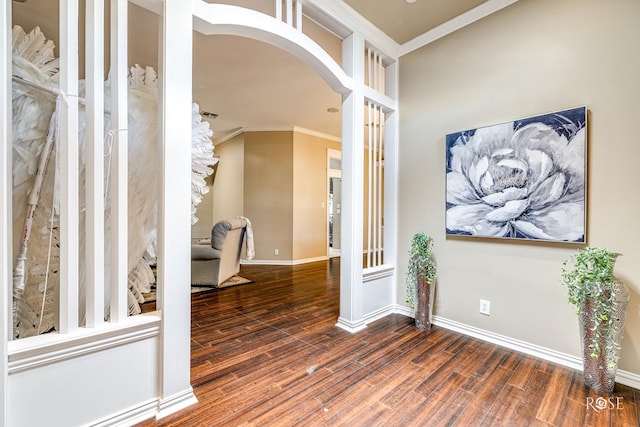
502	197
510	211
540	165
538	135
532	231
571	160
550	191
488	140
477	170
471	219
562	221
458	189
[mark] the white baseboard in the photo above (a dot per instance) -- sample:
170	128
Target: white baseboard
628	378
378	314
623	377
178	401
348	326
283	262
407	311
159	408
130	417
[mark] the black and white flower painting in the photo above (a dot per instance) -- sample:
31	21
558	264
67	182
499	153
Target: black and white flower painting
524	179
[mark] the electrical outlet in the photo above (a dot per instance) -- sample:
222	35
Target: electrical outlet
276	252
485	307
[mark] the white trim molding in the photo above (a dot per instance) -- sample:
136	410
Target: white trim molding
378	314
375	273
42	350
312	132
508	342
296	129
352	327
172	404
485	9
284	261
131	416
574	362
340	12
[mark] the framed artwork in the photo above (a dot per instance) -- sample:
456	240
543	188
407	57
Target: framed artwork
524	179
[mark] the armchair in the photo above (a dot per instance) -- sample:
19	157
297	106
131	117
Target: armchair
214	262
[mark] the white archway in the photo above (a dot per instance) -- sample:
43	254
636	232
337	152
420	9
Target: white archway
221	19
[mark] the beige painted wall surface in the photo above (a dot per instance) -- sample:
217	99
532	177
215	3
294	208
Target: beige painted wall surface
310	195
228	185
532	57
268	192
46	14
204	213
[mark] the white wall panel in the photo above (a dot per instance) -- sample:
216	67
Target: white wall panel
82	390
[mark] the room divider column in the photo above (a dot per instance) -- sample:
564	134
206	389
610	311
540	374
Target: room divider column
94	175
174	223
5	200
69	169
351	289
119	171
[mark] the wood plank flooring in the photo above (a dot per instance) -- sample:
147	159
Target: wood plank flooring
269	354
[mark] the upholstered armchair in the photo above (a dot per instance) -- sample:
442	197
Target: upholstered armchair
216	261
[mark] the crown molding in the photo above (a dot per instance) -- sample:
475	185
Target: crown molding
328	12
296	129
485	9
322	135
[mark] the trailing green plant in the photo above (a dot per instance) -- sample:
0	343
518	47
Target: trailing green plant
590	282
421	263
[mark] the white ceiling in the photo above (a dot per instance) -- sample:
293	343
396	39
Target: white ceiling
252	85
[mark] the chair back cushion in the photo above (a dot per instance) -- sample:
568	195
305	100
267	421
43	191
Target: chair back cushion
228	237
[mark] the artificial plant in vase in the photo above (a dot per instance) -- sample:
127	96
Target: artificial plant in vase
601	301
421	273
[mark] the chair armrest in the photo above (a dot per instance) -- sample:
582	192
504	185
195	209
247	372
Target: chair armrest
204	252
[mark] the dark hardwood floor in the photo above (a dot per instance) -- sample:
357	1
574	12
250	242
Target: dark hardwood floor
269	354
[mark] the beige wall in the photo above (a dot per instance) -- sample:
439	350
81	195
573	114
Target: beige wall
268	192
46	14
228	184
310	189
204	213
532	57
278	180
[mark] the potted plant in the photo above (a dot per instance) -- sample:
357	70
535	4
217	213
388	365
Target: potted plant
421	273
601	301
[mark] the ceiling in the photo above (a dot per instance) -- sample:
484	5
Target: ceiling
253	85
403	21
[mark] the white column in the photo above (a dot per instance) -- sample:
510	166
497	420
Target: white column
94	258
5	201
69	167
119	159
351	297
174	224
369	182
299	15
391	174
380	181
289	12
279	10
